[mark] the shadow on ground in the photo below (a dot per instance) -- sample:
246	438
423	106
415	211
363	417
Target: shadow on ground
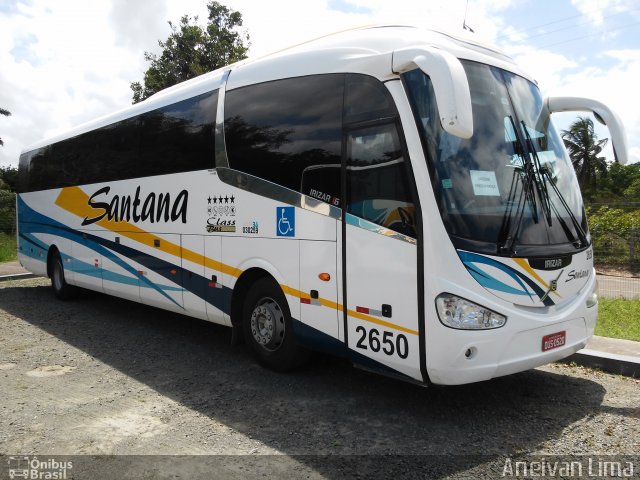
331	417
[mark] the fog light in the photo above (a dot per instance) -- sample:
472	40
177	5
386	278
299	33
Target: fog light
456	312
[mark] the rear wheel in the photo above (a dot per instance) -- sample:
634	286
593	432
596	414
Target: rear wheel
61	289
268	327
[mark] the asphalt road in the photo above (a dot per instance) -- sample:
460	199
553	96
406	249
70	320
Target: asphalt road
618	287
103	376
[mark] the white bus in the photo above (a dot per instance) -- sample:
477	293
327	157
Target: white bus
396	196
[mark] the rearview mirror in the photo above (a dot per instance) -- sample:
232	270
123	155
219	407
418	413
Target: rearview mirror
602	113
449	81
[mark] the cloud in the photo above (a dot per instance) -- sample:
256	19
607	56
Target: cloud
11	6
23	49
64	63
597	10
611	86
546	67
347	7
135	23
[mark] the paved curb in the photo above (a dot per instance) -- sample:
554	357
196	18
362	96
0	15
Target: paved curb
608	362
17	276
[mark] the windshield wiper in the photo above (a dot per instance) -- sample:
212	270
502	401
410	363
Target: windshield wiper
526	175
543	175
541	185
509	230
582	236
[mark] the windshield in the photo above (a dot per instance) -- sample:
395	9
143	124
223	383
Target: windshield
510	189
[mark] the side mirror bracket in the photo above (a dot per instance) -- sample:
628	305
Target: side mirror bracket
450	85
603	114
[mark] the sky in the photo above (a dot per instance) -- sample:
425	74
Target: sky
64	62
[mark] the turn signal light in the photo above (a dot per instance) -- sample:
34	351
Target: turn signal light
325	277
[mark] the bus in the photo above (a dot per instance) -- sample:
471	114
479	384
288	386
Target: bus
396	196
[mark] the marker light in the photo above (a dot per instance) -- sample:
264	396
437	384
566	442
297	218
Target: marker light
456	312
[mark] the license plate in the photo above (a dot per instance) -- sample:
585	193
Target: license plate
554	340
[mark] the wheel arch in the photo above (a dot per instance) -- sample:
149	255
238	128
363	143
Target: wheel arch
242	287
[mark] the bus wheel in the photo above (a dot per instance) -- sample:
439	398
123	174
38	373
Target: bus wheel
268	328
61	289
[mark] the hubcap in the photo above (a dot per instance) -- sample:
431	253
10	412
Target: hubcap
267	324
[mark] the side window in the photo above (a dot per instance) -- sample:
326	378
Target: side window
289	132
178	137
378	183
378	189
367	99
171	139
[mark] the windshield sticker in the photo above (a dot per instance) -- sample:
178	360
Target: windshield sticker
484	183
447	183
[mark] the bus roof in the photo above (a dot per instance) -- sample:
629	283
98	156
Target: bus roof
367	50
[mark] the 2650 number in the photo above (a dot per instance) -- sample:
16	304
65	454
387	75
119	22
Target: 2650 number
387	343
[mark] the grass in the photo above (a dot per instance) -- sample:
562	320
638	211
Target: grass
619	318
7	247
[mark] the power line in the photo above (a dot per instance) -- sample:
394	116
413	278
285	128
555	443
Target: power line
528	37
600	32
535	27
570	26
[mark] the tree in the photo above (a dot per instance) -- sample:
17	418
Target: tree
7	199
584	147
6	113
8	178
192	50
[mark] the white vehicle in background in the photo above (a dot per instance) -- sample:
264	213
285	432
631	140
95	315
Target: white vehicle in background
393	195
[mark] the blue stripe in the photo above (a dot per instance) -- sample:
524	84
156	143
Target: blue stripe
469	259
192	282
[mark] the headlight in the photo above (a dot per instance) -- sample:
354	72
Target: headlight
456	312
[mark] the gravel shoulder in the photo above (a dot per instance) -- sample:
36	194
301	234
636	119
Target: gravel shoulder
104	376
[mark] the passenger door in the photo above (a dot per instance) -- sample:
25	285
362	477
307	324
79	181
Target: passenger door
381	256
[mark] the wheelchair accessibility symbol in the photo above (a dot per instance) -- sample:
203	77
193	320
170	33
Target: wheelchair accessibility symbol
286	221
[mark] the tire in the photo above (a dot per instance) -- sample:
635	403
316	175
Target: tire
61	289
268	328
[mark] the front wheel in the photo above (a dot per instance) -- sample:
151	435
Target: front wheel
61	289
268	327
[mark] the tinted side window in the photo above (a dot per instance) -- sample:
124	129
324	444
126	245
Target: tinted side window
171	139
367	99
289	132
378	187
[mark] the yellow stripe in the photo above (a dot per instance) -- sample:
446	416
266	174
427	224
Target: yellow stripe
74	200
524	264
382	323
336	306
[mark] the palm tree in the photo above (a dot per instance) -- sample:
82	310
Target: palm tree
6	113
584	147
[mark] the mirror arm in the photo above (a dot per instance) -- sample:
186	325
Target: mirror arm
450	85
602	113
